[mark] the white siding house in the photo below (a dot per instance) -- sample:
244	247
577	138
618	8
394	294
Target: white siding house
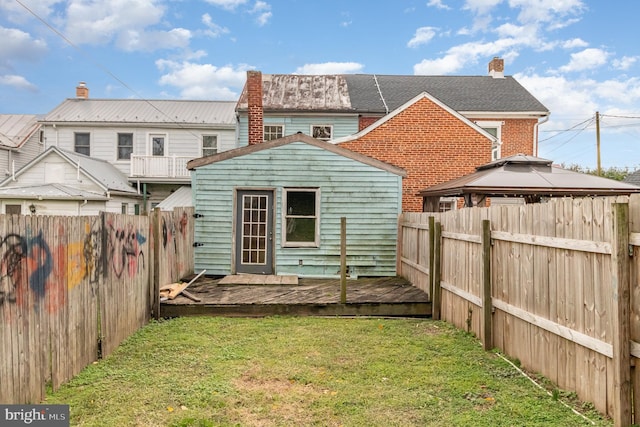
21	140
149	141
59	182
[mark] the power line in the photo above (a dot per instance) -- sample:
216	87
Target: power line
103	68
588	122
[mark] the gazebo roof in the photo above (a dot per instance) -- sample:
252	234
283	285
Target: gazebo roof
523	175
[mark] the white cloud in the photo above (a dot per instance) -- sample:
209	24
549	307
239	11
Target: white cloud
203	81
19	46
546	10
438	4
422	36
585	60
17	82
16	13
574	43
330	68
625	63
132	40
481	6
214	30
263	10
102	21
227	4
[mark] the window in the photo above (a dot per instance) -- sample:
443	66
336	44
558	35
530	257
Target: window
123	208
209	145
13	209
446	204
157	145
493	128
273	132
323	132
125	146
301	217
81	141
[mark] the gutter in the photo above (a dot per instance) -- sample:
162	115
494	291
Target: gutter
535	134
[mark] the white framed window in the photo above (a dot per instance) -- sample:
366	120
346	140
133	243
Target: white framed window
82	143
493	128
447	204
209	145
271	132
158	144
301	217
125	146
323	132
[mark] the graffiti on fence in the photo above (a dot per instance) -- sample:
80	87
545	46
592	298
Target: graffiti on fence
25	266
125	249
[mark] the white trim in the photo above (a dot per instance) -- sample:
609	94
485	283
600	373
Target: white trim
150	135
321	125
264	125
472	115
496	148
316	242
209	148
405	106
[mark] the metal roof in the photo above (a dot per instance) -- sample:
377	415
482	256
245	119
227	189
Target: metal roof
528	175
101	171
48	192
181	198
15	129
170	112
380	94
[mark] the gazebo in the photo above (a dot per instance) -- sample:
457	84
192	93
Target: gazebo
527	177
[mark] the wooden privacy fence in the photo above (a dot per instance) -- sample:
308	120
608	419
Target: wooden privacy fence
555	285
73	288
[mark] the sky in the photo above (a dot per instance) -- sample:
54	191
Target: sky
577	57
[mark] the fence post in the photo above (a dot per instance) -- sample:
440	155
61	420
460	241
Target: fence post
343	260
155	278
399	246
487	306
432	221
620	321
437	251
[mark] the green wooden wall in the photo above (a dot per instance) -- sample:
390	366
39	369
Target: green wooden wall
342	125
370	199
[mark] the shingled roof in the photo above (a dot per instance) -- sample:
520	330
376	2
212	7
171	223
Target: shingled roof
380	94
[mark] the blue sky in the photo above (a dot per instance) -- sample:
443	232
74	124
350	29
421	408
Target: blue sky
576	56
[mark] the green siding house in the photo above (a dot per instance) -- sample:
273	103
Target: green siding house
275	208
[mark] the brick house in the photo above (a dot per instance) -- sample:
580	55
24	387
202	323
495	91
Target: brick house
434	127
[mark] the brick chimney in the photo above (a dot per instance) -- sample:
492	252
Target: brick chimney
254	104
82	91
496	68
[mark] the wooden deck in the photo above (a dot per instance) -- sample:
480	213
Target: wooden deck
388	296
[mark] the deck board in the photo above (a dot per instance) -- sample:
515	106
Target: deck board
385	296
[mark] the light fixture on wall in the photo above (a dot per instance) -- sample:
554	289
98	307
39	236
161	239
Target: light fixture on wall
32	208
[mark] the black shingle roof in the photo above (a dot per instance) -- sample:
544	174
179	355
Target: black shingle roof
462	93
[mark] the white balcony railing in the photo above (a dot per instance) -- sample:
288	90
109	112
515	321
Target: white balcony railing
160	167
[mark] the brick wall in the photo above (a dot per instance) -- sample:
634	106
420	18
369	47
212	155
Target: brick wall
364	121
430	143
254	103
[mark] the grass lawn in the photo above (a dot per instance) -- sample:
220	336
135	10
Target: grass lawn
287	371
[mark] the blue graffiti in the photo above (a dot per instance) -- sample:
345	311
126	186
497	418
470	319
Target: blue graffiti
39	252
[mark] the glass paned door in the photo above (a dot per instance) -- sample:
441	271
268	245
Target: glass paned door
254	234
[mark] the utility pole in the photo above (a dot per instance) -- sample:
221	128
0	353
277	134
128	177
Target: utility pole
598	142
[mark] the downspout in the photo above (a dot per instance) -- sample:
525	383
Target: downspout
81	205
535	134
144	197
